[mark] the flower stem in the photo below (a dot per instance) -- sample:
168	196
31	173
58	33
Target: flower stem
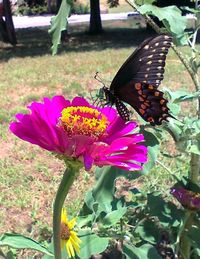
183	244
63	189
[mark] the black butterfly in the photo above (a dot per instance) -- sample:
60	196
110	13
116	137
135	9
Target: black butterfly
137	81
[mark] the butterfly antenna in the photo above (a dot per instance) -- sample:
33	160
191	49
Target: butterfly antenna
98	78
99	96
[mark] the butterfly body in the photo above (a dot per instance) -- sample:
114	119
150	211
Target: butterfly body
137	81
121	107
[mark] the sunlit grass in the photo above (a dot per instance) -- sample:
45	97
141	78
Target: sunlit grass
29	175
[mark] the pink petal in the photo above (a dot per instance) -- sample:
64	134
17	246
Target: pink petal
40	127
79	101
138	154
88	161
81	143
54	107
123	165
119	128
121	153
110	113
123	143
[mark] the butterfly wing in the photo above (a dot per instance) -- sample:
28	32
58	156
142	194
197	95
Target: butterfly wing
147	100
137	80
146	64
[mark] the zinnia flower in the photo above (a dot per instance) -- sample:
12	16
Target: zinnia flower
187	198
78	130
69	237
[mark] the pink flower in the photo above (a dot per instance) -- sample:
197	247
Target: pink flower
82	131
187	198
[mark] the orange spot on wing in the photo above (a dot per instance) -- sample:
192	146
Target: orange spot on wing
157	93
150	119
150	87
147	104
142	111
143	106
162	101
138	86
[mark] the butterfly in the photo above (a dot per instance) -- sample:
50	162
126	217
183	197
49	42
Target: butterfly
137	81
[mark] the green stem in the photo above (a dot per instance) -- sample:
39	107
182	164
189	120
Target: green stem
173	130
188	67
63	189
122	236
167	169
183	243
195	168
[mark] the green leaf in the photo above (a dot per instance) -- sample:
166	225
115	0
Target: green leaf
84	220
113	217
89	202
176	95
191	10
191	136
196	251
175	108
101	198
152	143
92	244
144	251
170	16
11	255
58	24
196	126
149	231
103	192
102	195
181	96
193	234
129	251
194	148
152	157
21	242
141	2
167	213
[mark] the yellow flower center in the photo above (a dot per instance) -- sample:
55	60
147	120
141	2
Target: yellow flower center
82	120
64	232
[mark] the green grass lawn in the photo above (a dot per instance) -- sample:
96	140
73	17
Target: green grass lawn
29	175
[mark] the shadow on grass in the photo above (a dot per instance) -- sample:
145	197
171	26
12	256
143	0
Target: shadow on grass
36	42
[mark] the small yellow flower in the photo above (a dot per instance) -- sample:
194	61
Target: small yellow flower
69	237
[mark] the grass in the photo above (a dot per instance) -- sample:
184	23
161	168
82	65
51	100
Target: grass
29	175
